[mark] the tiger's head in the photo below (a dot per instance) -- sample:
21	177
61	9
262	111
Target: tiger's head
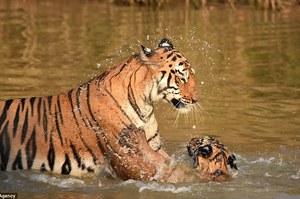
175	77
211	158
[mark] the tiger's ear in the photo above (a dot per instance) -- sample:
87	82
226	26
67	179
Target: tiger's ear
147	51
166	43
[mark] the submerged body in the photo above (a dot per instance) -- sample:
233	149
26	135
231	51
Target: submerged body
78	132
211	158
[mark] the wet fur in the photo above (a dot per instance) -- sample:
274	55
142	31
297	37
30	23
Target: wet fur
82	130
211	158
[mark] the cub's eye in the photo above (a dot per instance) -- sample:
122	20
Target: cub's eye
205	151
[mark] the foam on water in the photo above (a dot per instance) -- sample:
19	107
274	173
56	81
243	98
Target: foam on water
258	160
263	160
157	187
56	181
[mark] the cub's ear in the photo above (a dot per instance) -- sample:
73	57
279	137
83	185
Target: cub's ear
147	51
166	43
231	160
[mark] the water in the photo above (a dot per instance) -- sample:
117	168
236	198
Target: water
247	66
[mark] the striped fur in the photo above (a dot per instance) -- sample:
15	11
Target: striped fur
211	157
71	133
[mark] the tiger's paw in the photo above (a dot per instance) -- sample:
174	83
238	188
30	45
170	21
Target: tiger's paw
133	139
131	160
211	158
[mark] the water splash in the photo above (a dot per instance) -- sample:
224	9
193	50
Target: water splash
157	187
164	188
57	181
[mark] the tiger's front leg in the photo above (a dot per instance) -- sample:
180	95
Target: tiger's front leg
132	158
153	137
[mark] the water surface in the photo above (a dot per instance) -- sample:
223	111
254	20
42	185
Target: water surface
247	66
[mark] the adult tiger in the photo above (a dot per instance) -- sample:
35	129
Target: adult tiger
72	133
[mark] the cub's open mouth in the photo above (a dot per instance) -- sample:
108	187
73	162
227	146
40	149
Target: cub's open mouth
178	104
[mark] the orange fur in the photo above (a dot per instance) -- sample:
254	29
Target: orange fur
211	158
77	132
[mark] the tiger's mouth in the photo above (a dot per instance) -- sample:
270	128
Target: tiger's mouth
178	104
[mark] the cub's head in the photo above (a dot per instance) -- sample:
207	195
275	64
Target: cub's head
175	77
211	158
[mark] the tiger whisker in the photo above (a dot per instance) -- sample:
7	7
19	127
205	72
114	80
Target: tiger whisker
205	100
195	112
199	111
177	118
194	109
178	113
202	108
175	109
185	118
172	110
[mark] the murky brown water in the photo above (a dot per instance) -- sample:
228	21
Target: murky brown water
248	71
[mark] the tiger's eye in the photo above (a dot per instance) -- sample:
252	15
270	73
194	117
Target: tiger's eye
205	151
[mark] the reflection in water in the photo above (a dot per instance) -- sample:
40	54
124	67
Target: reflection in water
247	67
